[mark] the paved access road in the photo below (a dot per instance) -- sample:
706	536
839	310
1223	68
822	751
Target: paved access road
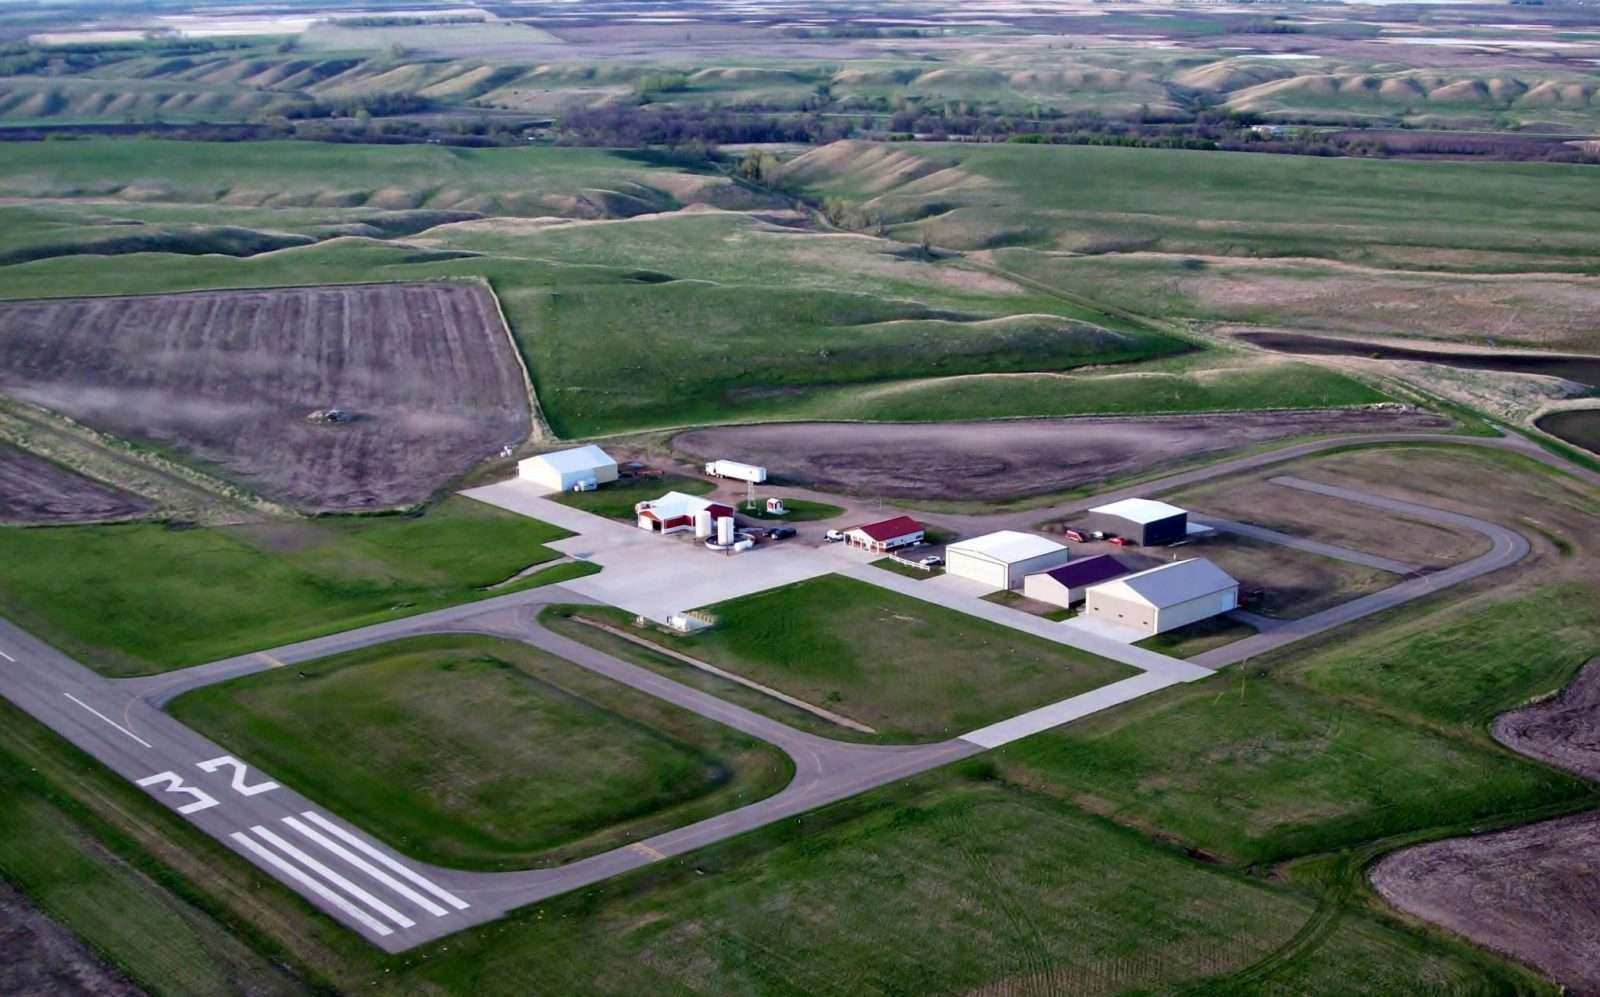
398	903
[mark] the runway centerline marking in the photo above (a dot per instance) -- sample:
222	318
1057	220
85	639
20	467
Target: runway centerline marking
367	867
333	877
107	719
401	868
283	866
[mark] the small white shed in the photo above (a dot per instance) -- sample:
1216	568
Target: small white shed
1165	597
564	470
1002	560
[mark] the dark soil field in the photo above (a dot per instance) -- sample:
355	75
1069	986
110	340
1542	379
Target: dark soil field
1563	731
228	379
40	958
36	491
1532	892
1011	459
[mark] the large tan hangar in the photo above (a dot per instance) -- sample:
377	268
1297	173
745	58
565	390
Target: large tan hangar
1002	560
1165	597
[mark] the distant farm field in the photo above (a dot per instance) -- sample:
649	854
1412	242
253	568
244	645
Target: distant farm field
483	753
142	598
427	380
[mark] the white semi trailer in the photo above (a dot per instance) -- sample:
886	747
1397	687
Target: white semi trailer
733	469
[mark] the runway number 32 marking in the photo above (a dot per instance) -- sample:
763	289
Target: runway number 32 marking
202	800
175	784
239	769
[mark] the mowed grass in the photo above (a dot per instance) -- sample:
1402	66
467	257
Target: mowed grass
794	511
946	882
482	753
1257	768
1474	667
141	598
911	670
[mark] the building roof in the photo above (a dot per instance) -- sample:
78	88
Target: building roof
1170	584
1138	510
1008	546
675	504
889	529
585	458
1088	571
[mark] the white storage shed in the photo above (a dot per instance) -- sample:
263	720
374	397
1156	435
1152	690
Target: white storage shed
564	470
1002	560
1164	597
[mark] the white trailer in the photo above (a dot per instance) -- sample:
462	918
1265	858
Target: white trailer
733	469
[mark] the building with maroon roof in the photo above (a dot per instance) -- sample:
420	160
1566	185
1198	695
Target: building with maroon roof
885	535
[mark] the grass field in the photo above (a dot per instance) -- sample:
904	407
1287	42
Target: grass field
616	500
795	511
905	886
1107	200
143	598
482	753
1198	638
1258	768
911	670
1463	672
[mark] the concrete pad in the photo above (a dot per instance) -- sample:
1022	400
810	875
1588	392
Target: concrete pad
1104	629
1066	710
960	586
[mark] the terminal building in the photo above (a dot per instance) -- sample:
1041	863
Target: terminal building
885	535
1143	521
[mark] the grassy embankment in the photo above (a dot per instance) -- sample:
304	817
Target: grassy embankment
140	598
911	670
544	762
855	315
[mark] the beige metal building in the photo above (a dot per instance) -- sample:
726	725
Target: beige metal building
1165	597
1002	560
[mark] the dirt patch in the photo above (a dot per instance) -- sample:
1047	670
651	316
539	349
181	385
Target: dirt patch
40	958
1011	459
1255	500
1292	583
425	373
1563	731
1532	892
36	491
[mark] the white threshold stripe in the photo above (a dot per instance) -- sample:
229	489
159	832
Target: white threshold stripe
333	877
367	867
107	719
401	868
372	924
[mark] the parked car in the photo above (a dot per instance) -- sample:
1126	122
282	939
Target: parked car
833	536
780	533
932	561
1073	535
1120	541
1097	534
